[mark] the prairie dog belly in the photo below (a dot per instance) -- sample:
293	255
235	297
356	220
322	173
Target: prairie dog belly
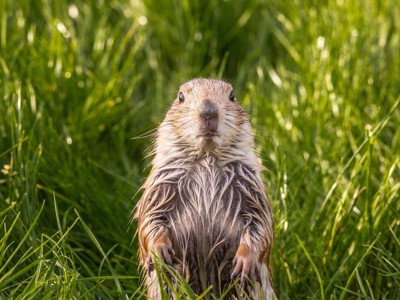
206	223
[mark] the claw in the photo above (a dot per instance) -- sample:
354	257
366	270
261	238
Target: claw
237	267
167	254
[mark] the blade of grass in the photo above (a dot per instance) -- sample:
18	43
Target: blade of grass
319	278
346	288
98	246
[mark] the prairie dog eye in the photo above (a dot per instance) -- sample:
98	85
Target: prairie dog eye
181	97
232	96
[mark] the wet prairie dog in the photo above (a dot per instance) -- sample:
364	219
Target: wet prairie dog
204	209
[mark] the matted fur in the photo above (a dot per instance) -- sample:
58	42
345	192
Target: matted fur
204	197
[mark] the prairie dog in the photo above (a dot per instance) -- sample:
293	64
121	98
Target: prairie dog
204	210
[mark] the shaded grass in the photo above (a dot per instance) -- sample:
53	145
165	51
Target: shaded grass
78	81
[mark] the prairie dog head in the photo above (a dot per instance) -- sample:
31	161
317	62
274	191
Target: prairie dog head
205	117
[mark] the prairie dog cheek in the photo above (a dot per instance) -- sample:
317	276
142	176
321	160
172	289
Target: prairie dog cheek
190	124
228	127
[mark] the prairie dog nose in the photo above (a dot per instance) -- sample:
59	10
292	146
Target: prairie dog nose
209	111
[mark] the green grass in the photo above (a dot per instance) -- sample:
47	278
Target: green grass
321	81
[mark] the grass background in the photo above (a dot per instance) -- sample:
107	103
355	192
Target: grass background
80	79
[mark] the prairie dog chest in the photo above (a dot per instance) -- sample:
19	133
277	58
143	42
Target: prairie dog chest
208	203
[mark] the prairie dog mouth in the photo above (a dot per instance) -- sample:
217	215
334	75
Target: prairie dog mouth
207	141
208	135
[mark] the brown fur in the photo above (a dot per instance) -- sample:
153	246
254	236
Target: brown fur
204	209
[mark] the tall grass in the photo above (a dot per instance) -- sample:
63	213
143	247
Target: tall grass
79	80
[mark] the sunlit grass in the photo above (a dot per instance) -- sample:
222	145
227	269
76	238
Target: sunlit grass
78	81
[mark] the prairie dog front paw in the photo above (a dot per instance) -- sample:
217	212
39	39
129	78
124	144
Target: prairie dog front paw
162	248
245	263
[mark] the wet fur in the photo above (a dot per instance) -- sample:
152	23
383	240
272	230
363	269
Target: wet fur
206	200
